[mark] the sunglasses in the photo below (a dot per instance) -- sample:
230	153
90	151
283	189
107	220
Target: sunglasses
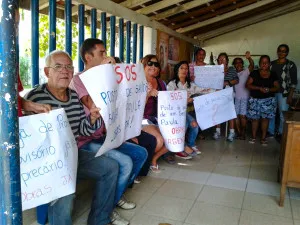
151	63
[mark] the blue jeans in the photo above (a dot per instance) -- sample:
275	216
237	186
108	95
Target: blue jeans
282	106
105	172
130	158
191	131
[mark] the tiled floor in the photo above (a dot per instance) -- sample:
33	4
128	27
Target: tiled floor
229	184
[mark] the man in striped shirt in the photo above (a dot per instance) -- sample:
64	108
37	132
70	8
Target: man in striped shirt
59	71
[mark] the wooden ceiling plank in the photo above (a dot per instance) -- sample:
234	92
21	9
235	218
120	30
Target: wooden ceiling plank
157	6
43	4
133	3
255	19
180	9
224	16
128	14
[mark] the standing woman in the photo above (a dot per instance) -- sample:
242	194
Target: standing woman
200	55
155	84
263	84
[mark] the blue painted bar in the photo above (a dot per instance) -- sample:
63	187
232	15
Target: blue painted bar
93	23
34	8
121	39
141	29
81	34
52	25
103	28
112	35
68	20
128	37
134	47
10	187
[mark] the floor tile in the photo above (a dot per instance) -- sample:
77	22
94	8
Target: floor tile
180	189
255	218
145	219
149	184
209	214
266	204
296	222
191	176
221	196
264	187
166	171
261	157
235	171
295	208
168	207
264	172
230	182
294	193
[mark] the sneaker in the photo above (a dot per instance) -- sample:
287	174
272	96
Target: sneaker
231	137
125	204
137	180
217	136
154	169
269	135
252	140
183	155
264	142
116	219
195	149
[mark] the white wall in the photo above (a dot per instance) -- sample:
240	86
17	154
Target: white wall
150	39
261	38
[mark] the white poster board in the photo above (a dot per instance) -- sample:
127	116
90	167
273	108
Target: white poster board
171	118
120	92
48	158
209	76
214	108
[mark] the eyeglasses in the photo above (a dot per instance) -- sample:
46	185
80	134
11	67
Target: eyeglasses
59	67
282	51
151	63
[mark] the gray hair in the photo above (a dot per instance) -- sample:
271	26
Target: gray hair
55	52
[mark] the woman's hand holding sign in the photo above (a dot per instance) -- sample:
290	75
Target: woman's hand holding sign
95	114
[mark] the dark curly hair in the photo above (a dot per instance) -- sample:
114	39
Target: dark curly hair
176	73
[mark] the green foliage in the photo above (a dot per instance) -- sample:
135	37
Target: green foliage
24	70
60	36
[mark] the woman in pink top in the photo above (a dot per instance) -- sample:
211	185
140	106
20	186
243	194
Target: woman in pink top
242	94
200	55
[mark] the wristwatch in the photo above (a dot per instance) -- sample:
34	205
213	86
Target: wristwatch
267	90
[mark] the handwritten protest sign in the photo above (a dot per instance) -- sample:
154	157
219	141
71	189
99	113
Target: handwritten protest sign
214	108
171	117
48	158
209	76
120	92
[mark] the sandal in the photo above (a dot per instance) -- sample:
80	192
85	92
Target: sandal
155	169
252	140
169	159
264	142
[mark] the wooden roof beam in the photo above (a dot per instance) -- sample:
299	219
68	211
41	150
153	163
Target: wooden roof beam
180	9
157	6
255	19
133	3
224	16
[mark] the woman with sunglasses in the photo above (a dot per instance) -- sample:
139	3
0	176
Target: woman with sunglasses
182	81
263	84
155	84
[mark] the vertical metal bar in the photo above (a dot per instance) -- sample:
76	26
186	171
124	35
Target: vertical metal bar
121	39
52	25
141	29
128	37
10	188
34	8
81	33
68	19
134	47
112	35
93	23
103	27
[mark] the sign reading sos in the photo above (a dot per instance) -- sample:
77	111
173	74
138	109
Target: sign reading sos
128	74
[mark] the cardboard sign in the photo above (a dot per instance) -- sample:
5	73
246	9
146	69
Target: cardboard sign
171	119
209	76
120	92
214	108
48	158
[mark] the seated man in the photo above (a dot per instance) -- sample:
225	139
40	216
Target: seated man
59	71
129	156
